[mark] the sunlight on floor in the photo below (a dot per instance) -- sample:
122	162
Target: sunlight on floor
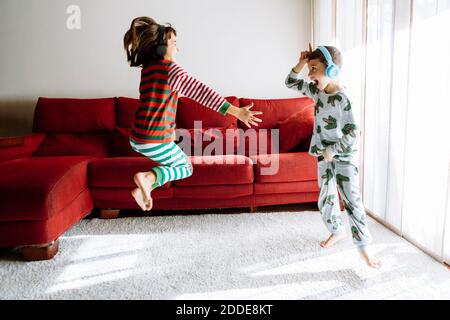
333	261
101	259
95	246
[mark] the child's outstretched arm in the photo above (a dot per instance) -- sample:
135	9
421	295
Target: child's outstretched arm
196	90
245	114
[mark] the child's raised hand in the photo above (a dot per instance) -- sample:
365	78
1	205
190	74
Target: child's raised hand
303	60
247	116
304	55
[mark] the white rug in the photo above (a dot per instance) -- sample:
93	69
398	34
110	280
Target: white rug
266	255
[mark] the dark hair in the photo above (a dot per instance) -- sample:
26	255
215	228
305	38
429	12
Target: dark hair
141	40
334	52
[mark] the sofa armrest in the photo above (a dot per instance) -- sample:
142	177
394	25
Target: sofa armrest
20	147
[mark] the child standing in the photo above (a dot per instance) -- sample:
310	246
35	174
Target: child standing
152	47
335	142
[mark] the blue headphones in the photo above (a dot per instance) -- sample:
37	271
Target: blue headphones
332	70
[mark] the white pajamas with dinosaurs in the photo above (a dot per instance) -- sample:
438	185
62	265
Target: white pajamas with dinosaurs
335	129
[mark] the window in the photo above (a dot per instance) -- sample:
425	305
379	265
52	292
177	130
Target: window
396	65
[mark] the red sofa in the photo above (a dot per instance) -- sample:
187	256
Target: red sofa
78	158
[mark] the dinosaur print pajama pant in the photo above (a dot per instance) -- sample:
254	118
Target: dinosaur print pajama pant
342	177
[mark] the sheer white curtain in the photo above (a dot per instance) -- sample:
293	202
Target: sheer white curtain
427	149
397	67
377	120
323	22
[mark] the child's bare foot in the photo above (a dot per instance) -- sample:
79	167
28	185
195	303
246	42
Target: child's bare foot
145	180
371	262
149	204
137	195
332	240
144	184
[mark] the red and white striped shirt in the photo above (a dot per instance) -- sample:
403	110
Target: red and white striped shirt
162	82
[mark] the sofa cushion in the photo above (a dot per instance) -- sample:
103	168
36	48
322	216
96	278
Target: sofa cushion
118	172
38	188
275	110
285	167
189	111
69	115
213	192
30	143
255	141
121	144
125	109
117	197
219	170
296	129
286	187
209	141
304	146
59	144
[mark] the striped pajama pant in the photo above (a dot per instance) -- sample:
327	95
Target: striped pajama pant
175	164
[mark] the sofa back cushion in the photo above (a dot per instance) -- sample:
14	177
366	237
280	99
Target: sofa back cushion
190	111
274	110
121	144
209	141
255	142
74	116
296	129
125	109
61	144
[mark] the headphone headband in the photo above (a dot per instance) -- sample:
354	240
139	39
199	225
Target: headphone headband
326	55
161	33
160	48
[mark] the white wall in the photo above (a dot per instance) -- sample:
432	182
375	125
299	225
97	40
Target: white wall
238	47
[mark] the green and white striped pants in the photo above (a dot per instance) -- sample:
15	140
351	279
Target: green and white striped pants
175	164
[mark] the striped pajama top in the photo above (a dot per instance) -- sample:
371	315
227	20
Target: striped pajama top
161	84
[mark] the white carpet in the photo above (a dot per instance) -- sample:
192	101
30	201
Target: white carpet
266	255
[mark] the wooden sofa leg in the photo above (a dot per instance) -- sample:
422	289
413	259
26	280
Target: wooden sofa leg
41	252
109	213
253	209
4	250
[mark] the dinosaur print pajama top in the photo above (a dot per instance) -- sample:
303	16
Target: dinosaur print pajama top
335	129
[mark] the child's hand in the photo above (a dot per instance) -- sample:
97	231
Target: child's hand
304	57
247	116
327	156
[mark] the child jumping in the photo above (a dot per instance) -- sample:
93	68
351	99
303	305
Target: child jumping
335	143
152	47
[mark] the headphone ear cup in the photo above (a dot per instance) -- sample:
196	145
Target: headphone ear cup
161	50
332	71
